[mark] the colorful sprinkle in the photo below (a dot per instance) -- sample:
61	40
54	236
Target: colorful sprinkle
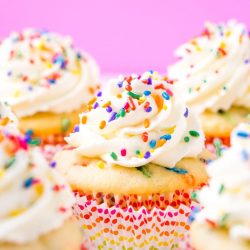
194	133
114	156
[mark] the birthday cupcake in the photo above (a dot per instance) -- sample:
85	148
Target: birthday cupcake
35	211
46	81
133	163
224	223
214	70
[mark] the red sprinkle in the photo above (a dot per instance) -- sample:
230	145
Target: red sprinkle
144	136
123	152
131	103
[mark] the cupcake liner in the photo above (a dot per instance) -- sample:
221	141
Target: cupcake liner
123	222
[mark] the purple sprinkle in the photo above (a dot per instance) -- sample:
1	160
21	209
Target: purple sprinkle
76	129
30	88
149	81
186	113
99	94
119	84
9	73
246	61
147	155
96	105
149	109
53	164
113	117
109	109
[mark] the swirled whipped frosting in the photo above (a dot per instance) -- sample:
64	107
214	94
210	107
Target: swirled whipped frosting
226	200
7	118
34	198
137	120
42	71
214	68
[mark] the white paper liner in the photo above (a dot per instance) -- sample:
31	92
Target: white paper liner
118	228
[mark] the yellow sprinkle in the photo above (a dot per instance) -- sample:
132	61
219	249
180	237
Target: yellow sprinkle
228	33
100	164
2	172
142	100
151	150
16	212
119	96
4	121
146	123
17	93
222	45
165	107
49	65
39	189
76	71
105	105
169	130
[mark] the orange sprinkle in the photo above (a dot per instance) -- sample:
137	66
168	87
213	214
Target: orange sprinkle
92	101
4	121
160	143
105	105
128	87
146	123
131	103
159	101
84	119
102	124
119	96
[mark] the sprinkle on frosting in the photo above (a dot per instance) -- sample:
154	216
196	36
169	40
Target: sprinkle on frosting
136	120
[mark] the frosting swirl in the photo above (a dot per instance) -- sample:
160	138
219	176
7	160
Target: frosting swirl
42	71
34	198
137	120
214	68
227	199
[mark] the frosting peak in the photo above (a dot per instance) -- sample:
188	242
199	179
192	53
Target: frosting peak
42	71
34	198
137	120
214	67
227	200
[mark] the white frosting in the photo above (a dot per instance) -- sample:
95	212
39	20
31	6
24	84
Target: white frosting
230	174
214	68
42	71
7	118
29	207
121	140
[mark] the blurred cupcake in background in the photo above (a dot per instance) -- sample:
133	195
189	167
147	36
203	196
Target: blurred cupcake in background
46	81
136	159
214	71
35	211
224	223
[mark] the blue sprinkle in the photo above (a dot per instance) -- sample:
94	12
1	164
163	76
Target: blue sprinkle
30	88
152	143
186	113
147	155
53	164
193	214
165	96
151	71
51	81
119	84
149	109
147	92
113	117
109	109
99	94
76	129
29	132
242	134
178	170
245	155
28	182
166	137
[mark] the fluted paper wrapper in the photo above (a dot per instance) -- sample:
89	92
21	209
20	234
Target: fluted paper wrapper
134	222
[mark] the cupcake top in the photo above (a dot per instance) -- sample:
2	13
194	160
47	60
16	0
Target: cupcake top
226	200
42	71
138	120
214	67
7	118
34	198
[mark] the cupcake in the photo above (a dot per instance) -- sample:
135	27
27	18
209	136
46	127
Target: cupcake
225	220
214	70
35	211
133	162
46	81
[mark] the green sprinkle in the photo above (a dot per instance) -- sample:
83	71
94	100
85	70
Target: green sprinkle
217	145
194	196
189	90
145	171
65	124
114	156
186	139
133	95
221	189
194	133
123	113
223	220
10	162
34	142
137	151
117	115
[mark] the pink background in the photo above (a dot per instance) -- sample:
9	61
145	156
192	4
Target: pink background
123	35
